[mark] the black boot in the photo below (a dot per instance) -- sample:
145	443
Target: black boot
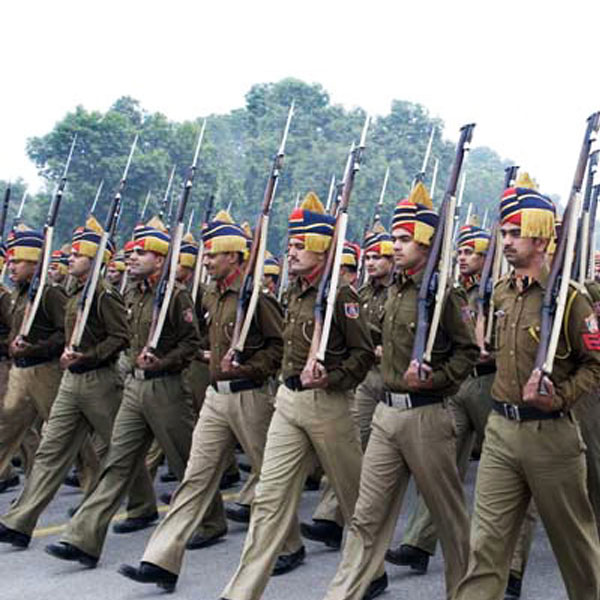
288	562
376	587
409	556
513	587
135	523
321	530
149	573
240	513
13	537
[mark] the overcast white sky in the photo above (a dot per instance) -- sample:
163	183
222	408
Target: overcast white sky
526	73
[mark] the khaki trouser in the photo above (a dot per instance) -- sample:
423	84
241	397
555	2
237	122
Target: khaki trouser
419	442
471	406
328	508
223	418
8	472
587	411
85	402
154	408
306	425
29	396
543	460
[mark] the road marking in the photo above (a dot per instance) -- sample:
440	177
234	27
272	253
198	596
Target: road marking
54	529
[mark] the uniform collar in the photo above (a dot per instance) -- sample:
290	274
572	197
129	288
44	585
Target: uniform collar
409	275
311	279
470	281
232	282
522	283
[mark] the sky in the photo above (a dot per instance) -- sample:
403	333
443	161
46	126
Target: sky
526	73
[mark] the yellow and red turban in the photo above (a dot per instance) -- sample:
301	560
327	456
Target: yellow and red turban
153	236
416	215
188	252
524	206
310	224
24	243
86	240
224	235
379	241
350	254
473	237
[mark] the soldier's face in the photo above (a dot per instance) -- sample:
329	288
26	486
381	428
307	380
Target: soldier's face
221	264
21	270
79	265
349	276
113	275
469	261
144	263
54	273
300	260
377	266
183	274
408	254
520	252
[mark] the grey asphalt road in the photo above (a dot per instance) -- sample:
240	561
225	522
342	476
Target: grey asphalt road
33	575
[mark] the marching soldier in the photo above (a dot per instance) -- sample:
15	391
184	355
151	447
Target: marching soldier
327	525
312	414
116	270
533	447
35	375
236	406
272	272
471	406
350	260
88	397
412	431
8	478
153	405
58	269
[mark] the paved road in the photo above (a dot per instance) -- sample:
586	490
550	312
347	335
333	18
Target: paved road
33	575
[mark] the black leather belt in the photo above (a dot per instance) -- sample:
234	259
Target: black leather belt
293	383
484	369
233	386
411	400
23	363
82	368
142	375
513	412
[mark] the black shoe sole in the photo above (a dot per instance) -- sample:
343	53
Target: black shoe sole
329	542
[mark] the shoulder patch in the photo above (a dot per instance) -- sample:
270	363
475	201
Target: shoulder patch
351	310
591	323
591	341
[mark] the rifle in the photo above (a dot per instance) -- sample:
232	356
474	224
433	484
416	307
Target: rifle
38	281
591	234
252	282
489	275
420	176
557	286
362	275
190	221
164	291
437	268
4	211
18	216
96	197
436	166
165	200
579	271
330	194
285	276
199	266
145	206
328	285
84	304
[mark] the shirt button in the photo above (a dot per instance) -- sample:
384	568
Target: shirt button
513	325
512	352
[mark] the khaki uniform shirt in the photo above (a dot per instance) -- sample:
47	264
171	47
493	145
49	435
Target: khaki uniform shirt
5	318
179	339
455	351
518	318
105	333
47	334
264	345
373	298
349	353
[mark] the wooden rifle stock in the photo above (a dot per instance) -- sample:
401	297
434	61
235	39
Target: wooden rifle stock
436	271
166	284
555	295
38	281
252	281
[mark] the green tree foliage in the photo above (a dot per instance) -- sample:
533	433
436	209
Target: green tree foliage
237	153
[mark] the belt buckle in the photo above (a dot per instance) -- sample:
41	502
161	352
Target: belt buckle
224	387
512	412
401	401
139	373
